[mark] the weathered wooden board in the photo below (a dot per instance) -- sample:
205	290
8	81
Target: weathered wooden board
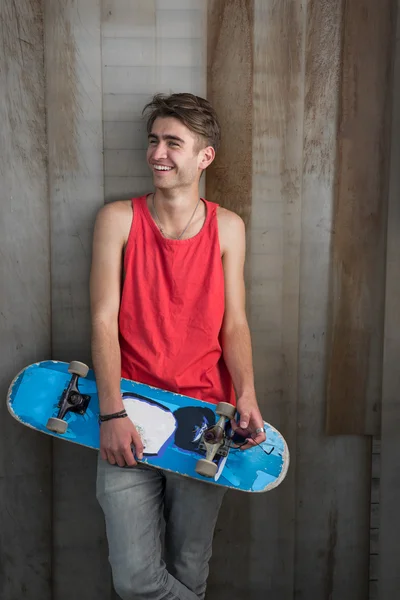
117	188
228	182
389	535
333	474
275	235
230	90
25	458
359	222
73	70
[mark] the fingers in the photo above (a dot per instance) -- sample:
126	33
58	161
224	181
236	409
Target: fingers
255	440
254	432
128	453
110	457
244	432
138	444
119	447
244	420
122	458
258	436
249	444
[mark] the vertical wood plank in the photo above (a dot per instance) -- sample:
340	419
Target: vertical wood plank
228	182
389	535
278	90
73	69
25	456
230	90
359	223
333	474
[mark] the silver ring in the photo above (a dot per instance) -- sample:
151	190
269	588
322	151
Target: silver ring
260	430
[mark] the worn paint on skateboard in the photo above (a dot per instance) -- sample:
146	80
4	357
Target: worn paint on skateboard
174	428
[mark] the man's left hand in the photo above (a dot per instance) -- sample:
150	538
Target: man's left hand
251	423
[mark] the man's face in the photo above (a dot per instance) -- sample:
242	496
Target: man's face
175	154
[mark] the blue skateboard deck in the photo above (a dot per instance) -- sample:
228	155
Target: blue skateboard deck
171	427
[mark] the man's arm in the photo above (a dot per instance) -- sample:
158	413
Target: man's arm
236	341
110	233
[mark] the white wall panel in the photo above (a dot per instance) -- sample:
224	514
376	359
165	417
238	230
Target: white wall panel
147	48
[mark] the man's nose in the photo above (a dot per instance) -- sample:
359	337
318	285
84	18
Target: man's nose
160	151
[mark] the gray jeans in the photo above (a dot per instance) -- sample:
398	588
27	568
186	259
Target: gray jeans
135	501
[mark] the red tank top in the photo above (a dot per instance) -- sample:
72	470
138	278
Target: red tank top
172	308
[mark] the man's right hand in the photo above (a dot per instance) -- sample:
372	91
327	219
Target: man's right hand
117	437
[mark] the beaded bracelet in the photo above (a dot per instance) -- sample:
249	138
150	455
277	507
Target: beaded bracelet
118	415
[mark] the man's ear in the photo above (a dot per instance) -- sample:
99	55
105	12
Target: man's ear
206	156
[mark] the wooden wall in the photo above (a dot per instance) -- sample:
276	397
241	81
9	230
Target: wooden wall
76	192
275	73
25	458
389	532
359	227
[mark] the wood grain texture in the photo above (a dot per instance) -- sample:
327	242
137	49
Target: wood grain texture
228	182
389	535
73	70
332	474
230	90
275	236
360	216
25	457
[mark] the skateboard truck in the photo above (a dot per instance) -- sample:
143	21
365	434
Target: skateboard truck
214	441
71	400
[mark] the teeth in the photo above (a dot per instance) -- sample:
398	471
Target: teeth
160	168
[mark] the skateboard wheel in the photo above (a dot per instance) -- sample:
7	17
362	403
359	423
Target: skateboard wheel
78	368
207	468
57	425
225	410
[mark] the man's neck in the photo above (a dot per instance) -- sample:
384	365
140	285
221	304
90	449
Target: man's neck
175	212
175	204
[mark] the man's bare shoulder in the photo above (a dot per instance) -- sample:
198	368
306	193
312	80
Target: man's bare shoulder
115	218
119	209
228	218
231	228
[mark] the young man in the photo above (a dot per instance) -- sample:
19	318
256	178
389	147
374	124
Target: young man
168	309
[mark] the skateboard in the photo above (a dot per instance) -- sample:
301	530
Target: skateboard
180	434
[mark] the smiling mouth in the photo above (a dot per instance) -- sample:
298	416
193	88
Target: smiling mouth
160	168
